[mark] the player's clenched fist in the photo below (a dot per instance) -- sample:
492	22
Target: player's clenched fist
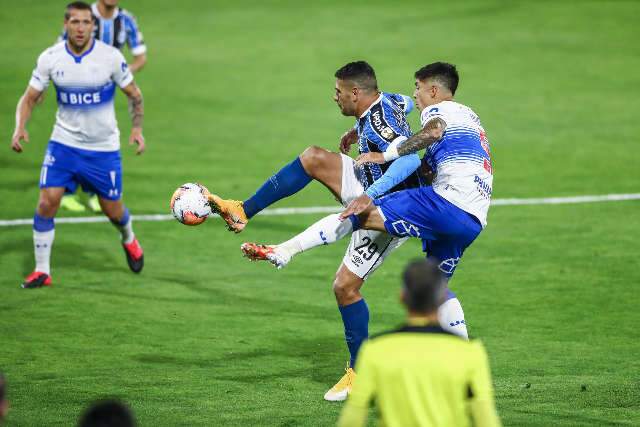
348	138
19	135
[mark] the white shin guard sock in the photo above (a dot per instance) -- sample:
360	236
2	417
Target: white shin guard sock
326	231
42	242
126	231
451	317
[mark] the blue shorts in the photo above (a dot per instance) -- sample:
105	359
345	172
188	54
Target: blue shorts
445	229
96	171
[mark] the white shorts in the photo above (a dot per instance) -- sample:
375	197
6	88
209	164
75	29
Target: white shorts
367	249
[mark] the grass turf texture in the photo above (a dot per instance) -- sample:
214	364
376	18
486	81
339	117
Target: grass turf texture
233	92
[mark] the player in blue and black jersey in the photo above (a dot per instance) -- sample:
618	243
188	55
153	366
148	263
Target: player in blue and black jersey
380	123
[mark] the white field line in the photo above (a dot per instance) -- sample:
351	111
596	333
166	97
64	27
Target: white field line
332	209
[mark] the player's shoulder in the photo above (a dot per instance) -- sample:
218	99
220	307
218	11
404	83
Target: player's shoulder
393	97
426	331
447	109
106	50
127	16
55	49
52	53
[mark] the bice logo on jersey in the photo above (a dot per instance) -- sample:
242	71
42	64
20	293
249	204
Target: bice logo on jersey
80	98
85	97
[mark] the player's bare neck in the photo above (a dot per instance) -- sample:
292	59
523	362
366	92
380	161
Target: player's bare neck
365	103
422	319
106	12
79	50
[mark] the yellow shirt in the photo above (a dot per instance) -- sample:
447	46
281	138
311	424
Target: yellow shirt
422	376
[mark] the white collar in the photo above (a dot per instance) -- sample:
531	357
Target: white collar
96	12
372	104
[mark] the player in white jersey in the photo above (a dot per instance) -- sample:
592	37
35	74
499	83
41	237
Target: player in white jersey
116	27
448	215
84	147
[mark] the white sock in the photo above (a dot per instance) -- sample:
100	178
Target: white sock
326	231
42	242
126	231
451	317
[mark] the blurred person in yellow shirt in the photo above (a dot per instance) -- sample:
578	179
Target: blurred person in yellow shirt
420	374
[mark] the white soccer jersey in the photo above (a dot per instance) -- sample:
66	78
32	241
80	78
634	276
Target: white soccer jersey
461	159
85	87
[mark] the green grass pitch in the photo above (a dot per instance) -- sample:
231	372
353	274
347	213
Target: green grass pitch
233	90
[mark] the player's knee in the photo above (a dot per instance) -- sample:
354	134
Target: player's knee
47	206
312	158
346	291
113	211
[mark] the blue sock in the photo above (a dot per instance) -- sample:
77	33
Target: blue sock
124	220
288	181
42	224
356	326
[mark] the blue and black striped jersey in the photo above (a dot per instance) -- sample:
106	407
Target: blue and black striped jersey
383	123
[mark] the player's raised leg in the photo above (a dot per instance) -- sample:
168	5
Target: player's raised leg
314	163
43	235
328	230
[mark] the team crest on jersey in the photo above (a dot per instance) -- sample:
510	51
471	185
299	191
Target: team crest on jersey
387	133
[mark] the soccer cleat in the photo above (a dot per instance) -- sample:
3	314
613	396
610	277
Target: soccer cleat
256	252
94	204
72	203
341	390
231	211
37	279
135	256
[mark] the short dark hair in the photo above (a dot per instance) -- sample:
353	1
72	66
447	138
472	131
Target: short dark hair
360	73
107	413
77	5
424	286
443	72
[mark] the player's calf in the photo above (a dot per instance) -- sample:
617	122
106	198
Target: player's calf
121	219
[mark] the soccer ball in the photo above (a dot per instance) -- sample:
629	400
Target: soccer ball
189	204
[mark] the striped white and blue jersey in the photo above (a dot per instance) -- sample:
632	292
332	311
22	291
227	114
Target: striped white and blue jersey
382	124
122	28
461	159
85	87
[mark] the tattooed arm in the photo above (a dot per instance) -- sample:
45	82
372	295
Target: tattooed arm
430	133
136	111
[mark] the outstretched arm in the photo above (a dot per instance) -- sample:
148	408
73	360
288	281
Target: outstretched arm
430	133
23	112
136	111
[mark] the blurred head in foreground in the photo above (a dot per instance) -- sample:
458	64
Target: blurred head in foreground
107	413
423	288
4	403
